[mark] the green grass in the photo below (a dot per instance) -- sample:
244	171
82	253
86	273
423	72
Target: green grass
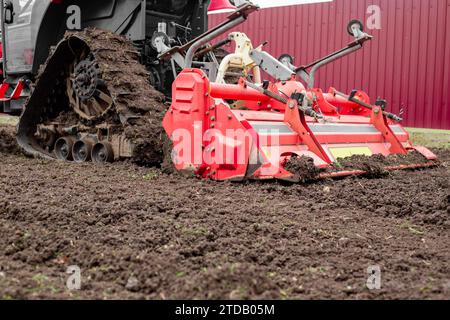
430	138
8	120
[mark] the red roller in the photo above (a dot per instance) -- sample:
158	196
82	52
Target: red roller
236	92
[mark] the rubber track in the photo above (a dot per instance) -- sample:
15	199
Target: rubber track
138	108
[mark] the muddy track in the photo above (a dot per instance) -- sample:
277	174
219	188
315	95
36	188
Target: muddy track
140	233
137	108
128	82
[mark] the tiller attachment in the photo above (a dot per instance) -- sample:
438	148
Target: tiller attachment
252	129
221	142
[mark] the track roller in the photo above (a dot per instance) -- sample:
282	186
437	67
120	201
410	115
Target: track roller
82	151
63	148
102	152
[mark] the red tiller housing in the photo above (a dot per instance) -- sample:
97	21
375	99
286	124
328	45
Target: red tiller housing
407	63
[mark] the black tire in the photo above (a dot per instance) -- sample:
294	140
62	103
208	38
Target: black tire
63	148
102	152
351	24
81	151
288	57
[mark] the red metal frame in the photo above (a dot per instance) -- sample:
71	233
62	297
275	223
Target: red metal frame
380	122
296	120
4	87
266	132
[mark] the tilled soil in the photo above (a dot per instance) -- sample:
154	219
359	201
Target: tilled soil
139	233
8	143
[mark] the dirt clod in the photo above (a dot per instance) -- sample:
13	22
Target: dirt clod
303	168
8	143
374	166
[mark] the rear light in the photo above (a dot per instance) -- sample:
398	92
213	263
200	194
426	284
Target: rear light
28	56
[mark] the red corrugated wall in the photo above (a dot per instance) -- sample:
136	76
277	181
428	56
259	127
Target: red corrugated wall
408	62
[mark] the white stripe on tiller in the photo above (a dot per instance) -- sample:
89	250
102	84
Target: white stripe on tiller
343	128
271	128
397	129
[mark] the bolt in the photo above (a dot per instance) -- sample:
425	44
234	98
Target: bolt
213	118
230	117
212	125
207	113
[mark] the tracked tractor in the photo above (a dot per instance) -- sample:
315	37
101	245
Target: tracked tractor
143	80
32	27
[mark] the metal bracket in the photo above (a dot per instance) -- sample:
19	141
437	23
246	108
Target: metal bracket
272	66
380	122
309	77
297	122
241	59
191	48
